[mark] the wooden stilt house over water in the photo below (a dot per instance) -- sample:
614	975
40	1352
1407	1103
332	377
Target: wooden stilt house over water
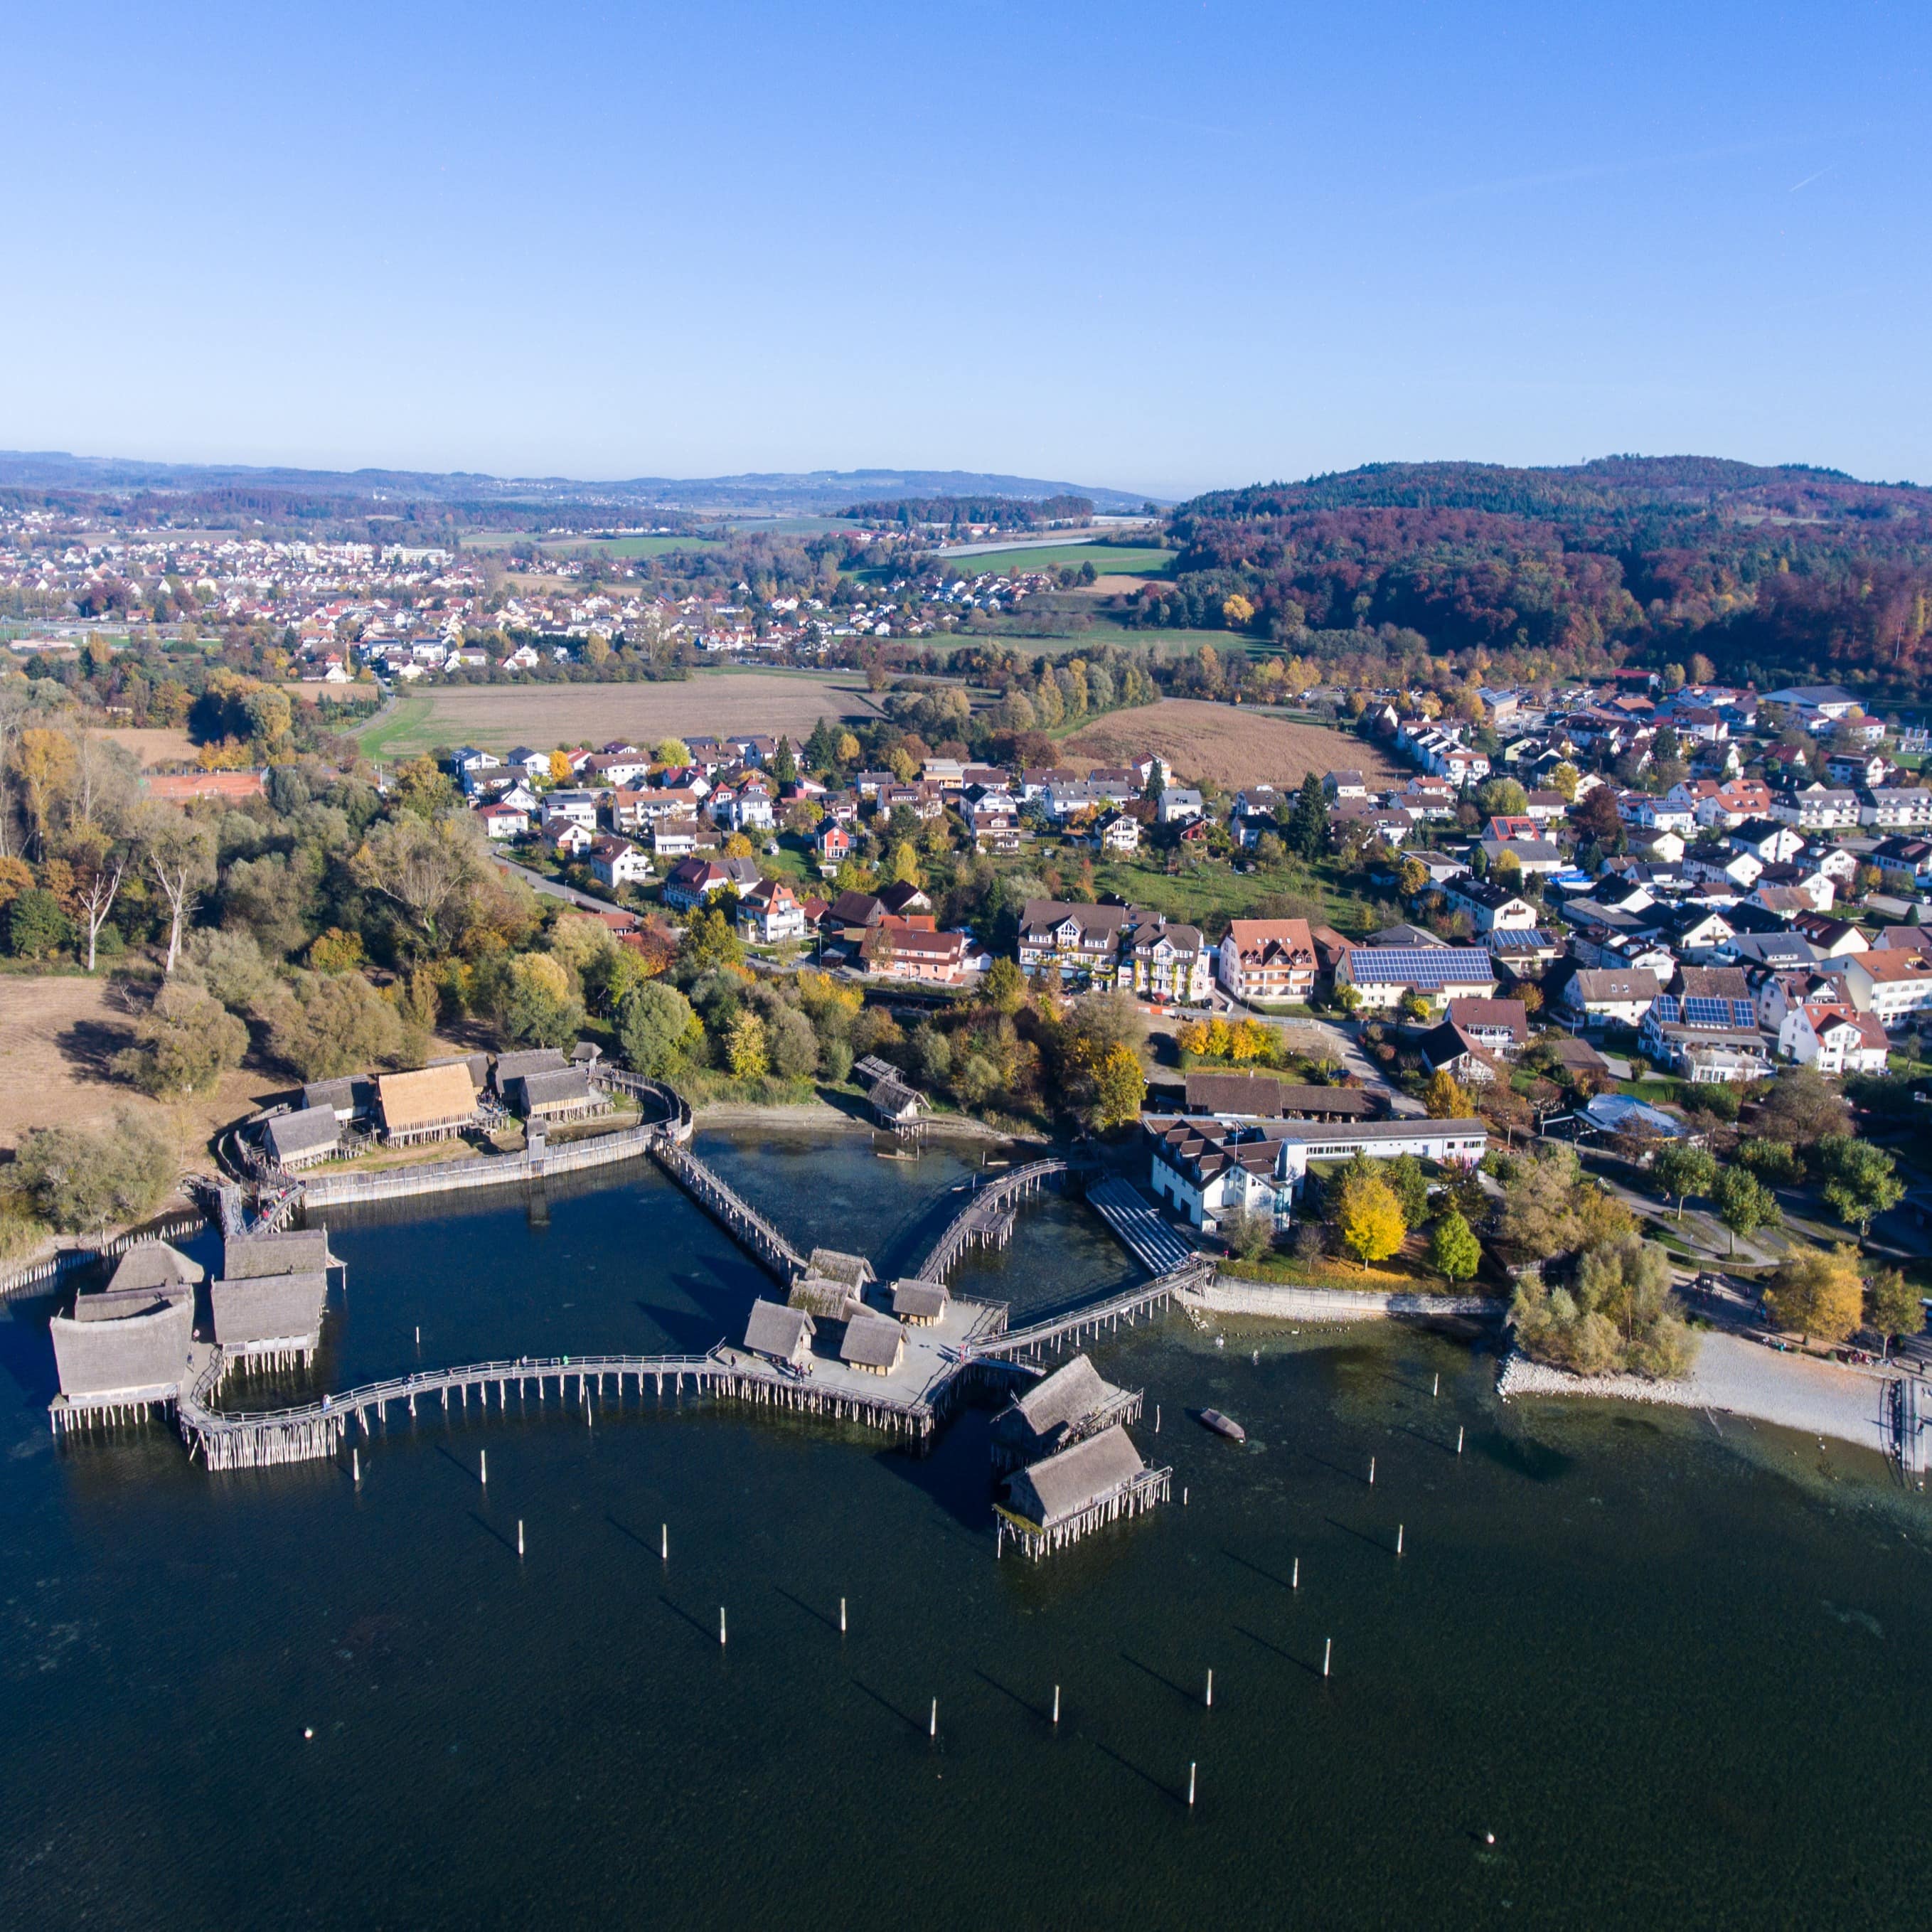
125	1349
268	1305
920	1303
434	1103
896	1105
1055	1502
873	1343
781	1335
1059	1410
821	1295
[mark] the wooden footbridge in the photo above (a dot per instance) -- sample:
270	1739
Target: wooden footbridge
1064	1327
987	1220
725	1205
234	1439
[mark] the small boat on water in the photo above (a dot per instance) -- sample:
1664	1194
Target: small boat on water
1223	1425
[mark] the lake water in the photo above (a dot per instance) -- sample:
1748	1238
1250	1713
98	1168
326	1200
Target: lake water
1677	1672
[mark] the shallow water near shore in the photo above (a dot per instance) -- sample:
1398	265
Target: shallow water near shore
1669	1668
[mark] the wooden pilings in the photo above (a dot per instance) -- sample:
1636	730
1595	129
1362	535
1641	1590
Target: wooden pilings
1146	1491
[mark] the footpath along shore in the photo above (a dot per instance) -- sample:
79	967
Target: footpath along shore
1740	1378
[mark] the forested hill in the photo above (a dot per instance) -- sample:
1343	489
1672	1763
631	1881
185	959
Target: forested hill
1770	573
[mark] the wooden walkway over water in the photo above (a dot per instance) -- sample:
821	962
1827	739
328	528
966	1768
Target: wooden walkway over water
231	1439
987	1219
1065	1327
725	1205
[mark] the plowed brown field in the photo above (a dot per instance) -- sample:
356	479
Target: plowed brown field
1231	746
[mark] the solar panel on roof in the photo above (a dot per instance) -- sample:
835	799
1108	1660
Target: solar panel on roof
1707	1012
1424	966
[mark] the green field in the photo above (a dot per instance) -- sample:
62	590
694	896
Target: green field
1108	559
400	731
1212	892
631	546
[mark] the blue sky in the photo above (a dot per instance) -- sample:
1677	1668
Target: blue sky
1160	247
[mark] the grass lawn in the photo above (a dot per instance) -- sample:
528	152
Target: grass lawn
1213	889
1108	560
405	724
643	546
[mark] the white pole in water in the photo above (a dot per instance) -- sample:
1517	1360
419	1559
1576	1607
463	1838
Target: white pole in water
355	1466
720	1625
1435	1386
483	1467
1398	1539
1294	1575
1184	1498
1327	1652
419	1335
520	1536
1459	1441
1156	1418
1190	1782
1209	1700
1371	1472
932	1723
664	1541
1056	1703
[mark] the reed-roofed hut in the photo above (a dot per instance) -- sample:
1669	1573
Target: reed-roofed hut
920	1303
302	1138
874	1343
782	1334
126	1345
1055	1502
1059	1410
830	1301
526	1060
853	1269
431	1104
560	1093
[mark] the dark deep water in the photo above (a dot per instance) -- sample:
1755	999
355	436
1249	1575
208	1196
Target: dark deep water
1678	1675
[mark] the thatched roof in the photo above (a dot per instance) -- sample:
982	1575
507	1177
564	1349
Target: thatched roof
428	1097
776	1330
528	1060
556	1086
154	1264
853	1270
872	1342
1072	1391
1063	1485
245	1257
311	1131
922	1300
819	1295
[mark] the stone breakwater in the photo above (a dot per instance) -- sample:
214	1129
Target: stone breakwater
1521	1376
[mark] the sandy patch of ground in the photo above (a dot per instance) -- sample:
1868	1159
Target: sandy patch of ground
155	746
1225	742
496	717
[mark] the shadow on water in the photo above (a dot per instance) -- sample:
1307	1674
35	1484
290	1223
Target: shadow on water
26	1347
953	1469
1025	1703
1275	1650
799	1603
916	1725
1181	1691
1146	1777
1267	1576
491	1530
709	1636
1536	1460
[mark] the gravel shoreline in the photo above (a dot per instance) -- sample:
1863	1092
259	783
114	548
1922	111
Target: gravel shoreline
816	1113
1734	1377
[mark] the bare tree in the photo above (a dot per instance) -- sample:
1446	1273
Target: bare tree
180	855
99	865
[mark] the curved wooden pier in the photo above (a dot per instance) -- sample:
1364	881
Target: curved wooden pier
987	1220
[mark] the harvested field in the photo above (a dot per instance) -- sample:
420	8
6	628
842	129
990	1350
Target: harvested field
496	717
1224	743
154	747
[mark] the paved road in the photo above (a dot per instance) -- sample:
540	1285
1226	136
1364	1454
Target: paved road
551	889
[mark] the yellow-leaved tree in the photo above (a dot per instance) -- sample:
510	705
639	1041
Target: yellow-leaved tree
1446	1098
1370	1218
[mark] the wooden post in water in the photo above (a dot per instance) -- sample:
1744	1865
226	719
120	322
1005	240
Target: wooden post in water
841	1616
1458	1441
1371	1472
664	1541
483	1467
1398	1539
1191	1769
1327	1652
932	1723
1435	1387
721	1626
1294	1575
1156	1418
520	1536
355	1466
1208	1701
1056	1703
